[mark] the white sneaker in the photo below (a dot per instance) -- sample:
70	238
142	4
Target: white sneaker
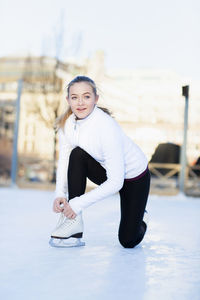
67	228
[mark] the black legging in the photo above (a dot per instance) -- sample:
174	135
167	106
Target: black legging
133	194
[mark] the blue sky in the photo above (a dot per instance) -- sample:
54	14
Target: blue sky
133	34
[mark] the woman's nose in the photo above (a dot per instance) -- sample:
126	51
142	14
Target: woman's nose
80	100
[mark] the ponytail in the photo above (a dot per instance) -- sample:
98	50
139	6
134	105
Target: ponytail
60	121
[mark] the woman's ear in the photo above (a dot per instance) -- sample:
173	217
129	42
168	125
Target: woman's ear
67	99
96	98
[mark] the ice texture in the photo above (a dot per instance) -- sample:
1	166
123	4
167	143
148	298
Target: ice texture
166	265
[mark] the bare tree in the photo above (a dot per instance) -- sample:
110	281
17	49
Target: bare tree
46	106
48	110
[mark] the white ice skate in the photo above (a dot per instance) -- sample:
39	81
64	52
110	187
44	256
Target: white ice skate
146	217
68	232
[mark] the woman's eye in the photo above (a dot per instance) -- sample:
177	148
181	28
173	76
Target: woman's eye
87	97
74	98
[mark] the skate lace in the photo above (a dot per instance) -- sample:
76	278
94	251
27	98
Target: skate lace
60	220
64	221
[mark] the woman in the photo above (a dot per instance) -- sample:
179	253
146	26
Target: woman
92	145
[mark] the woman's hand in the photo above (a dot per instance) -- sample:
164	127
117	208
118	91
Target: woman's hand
68	212
58	205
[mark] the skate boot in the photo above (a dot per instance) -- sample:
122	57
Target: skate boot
146	218
68	232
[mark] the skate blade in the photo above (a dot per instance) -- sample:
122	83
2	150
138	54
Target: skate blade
63	243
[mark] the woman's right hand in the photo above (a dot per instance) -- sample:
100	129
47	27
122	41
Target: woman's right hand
58	204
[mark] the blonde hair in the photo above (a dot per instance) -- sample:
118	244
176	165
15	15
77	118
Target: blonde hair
60	121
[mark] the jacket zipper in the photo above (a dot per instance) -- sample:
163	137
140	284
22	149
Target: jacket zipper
75	125
76	132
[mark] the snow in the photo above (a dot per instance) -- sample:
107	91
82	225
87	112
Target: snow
166	265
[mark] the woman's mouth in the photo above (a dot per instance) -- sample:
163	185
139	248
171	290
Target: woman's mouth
81	109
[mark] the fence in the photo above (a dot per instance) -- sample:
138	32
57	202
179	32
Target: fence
165	178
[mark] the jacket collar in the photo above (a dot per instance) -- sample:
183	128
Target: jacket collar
81	121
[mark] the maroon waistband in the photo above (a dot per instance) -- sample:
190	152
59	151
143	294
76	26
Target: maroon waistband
138	177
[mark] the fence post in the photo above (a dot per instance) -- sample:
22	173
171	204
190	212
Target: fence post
14	166
183	160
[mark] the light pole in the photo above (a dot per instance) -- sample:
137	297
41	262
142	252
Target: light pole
14	165
183	160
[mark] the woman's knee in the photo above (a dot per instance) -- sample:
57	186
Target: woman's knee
77	153
127	243
132	241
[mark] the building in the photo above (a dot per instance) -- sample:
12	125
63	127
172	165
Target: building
41	102
147	103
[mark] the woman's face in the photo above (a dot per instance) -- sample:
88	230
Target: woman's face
82	99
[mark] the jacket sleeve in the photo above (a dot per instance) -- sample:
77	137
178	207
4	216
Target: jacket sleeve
113	157
61	174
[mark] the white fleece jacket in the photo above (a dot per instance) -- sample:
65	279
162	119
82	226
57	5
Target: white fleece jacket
101	137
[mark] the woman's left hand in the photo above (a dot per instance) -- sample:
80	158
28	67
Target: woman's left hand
68	212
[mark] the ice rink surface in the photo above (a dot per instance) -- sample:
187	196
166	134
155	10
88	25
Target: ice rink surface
166	265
